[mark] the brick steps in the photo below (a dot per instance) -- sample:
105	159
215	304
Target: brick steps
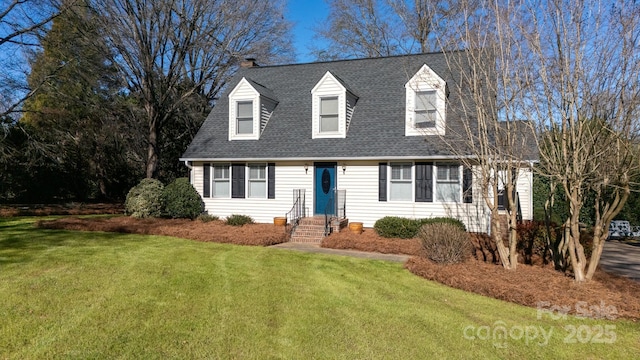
310	230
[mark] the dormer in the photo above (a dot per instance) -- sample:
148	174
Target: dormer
250	107
332	107
425	104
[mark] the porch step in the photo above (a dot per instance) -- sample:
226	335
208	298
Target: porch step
310	230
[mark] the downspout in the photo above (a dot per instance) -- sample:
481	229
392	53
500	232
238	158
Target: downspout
187	163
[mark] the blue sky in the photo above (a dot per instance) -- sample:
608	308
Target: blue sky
305	14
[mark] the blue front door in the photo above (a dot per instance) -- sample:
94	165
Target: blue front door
325	182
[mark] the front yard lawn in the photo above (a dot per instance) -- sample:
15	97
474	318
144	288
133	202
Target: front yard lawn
66	294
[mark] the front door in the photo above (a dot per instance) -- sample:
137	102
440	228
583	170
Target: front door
325	182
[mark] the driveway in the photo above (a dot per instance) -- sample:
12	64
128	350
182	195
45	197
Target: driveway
622	258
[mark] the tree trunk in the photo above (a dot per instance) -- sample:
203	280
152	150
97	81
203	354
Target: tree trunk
152	147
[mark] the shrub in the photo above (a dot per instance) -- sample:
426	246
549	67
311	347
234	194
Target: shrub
239	220
396	227
145	199
404	228
182	200
207	218
445	243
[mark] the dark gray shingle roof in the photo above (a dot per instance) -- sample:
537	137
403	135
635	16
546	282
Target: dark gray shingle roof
376	128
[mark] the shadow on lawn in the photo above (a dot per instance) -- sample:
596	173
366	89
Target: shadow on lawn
21	241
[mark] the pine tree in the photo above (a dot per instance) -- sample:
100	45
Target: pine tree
77	110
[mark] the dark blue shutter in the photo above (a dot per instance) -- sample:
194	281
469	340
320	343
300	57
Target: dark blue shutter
206	180
271	176
467	185
237	181
424	182
382	181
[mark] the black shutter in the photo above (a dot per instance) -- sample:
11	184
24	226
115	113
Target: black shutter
502	201
206	180
237	181
271	176
467	185
382	181
424	182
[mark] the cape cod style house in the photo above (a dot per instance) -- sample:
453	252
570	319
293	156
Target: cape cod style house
358	139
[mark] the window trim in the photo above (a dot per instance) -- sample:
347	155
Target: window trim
263	180
214	180
410	181
322	116
457	181
429	111
238	117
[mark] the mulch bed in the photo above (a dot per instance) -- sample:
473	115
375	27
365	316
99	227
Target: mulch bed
212	231
74	208
369	240
528	285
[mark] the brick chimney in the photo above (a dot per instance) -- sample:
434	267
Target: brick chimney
248	62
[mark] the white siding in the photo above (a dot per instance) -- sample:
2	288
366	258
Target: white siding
360	180
351	104
289	176
266	109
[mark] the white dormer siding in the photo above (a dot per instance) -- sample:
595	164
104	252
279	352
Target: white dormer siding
425	104
328	93
242	98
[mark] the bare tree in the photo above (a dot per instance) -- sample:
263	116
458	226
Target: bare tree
372	28
491	130
586	99
169	50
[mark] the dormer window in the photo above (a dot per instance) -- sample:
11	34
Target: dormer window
250	107
425	104
244	118
329	114
332	106
425	110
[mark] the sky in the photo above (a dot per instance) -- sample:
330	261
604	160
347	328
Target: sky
305	14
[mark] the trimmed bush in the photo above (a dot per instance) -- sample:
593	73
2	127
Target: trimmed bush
445	243
239	220
404	228
396	227
145	199
182	201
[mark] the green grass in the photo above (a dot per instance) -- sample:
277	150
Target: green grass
99	295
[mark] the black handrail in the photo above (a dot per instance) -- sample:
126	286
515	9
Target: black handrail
297	211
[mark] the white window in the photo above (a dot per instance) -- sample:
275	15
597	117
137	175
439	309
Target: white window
244	117
257	181
425	109
329	114
448	183
400	185
221	183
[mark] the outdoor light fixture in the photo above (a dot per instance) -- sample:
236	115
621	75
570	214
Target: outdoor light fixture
344	167
306	168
